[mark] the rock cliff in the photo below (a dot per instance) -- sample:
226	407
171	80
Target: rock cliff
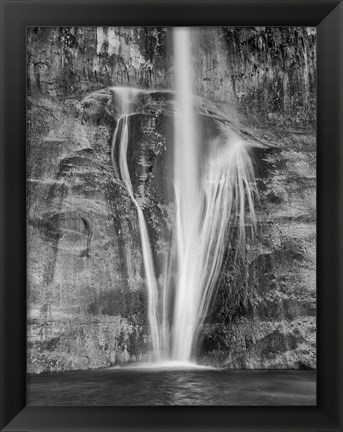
86	291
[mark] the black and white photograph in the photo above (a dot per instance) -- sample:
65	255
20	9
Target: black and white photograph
171	216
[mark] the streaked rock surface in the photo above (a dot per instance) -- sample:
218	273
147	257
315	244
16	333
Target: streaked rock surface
86	292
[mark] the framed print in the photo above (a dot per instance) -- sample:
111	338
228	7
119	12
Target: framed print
171	215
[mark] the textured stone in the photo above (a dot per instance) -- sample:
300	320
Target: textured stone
86	291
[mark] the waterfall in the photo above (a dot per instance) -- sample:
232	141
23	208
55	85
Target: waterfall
214	188
212	191
187	198
126	97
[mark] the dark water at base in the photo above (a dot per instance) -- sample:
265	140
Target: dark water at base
146	386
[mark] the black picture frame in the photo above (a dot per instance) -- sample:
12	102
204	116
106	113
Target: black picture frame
327	16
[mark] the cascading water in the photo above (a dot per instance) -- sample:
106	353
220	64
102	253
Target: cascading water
187	199
214	187
207	202
126	96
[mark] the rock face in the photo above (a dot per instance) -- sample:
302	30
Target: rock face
67	62
273	72
86	289
87	298
266	70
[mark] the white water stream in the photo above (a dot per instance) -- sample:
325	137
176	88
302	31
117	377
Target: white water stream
214	193
210	193
126	97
